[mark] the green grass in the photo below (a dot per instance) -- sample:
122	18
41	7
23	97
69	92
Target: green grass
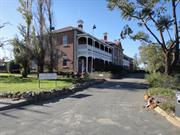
15	83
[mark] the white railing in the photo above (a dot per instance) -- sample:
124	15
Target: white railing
86	50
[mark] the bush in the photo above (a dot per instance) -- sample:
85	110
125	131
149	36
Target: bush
12	67
161	91
168	106
161	80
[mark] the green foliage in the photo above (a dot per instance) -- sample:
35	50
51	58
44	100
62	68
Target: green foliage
161	80
25	10
167	106
166	96
141	36
21	54
12	67
21	48
161	91
149	13
151	55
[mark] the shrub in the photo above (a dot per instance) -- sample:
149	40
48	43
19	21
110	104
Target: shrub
12	67
161	80
161	91
167	106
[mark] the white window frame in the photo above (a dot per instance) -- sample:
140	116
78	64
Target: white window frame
65	40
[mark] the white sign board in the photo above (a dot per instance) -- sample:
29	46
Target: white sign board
101	75
47	76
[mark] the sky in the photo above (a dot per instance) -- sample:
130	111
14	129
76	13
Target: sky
66	13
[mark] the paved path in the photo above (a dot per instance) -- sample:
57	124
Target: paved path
112	108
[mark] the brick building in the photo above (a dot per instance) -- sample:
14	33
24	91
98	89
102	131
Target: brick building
82	52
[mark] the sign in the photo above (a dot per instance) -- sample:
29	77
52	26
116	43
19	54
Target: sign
47	76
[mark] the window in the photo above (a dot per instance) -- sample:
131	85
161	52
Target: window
102	47
82	40
106	49
89	41
65	38
64	62
96	44
110	51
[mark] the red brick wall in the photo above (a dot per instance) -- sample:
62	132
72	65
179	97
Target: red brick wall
65	50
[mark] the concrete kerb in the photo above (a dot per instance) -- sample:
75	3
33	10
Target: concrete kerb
65	93
174	120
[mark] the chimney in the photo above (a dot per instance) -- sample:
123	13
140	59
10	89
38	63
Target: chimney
80	24
105	36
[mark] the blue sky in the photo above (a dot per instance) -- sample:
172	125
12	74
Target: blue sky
67	12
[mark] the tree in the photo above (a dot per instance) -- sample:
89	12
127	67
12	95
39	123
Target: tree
135	63
152	55
2	42
40	31
50	36
21	55
148	13
22	48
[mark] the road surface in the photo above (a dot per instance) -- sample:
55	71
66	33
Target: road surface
112	108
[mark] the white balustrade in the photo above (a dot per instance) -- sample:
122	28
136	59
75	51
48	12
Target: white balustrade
86	50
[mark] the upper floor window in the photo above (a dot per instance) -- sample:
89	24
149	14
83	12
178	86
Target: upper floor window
106	49
110	50
96	44
65	40
82	40
89	41
102	47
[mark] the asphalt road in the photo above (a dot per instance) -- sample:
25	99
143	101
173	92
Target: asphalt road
112	108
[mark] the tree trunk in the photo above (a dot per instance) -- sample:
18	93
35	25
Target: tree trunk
176	48
25	70
41	66
168	68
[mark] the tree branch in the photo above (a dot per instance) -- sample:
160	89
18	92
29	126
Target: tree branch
164	48
177	3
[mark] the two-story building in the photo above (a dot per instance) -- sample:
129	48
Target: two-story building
82	52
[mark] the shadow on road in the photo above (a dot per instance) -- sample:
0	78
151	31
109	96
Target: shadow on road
80	96
132	82
112	84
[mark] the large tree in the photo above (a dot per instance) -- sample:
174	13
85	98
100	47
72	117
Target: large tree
150	13
40	34
50	40
22	48
152	56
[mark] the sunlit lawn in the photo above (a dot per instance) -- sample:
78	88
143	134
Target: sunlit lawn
14	83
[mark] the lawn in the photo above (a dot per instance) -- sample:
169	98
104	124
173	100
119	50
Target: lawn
14	83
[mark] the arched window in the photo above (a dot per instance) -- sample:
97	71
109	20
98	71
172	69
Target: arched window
82	40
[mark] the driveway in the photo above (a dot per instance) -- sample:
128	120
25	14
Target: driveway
112	108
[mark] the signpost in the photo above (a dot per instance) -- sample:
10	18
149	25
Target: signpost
48	76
